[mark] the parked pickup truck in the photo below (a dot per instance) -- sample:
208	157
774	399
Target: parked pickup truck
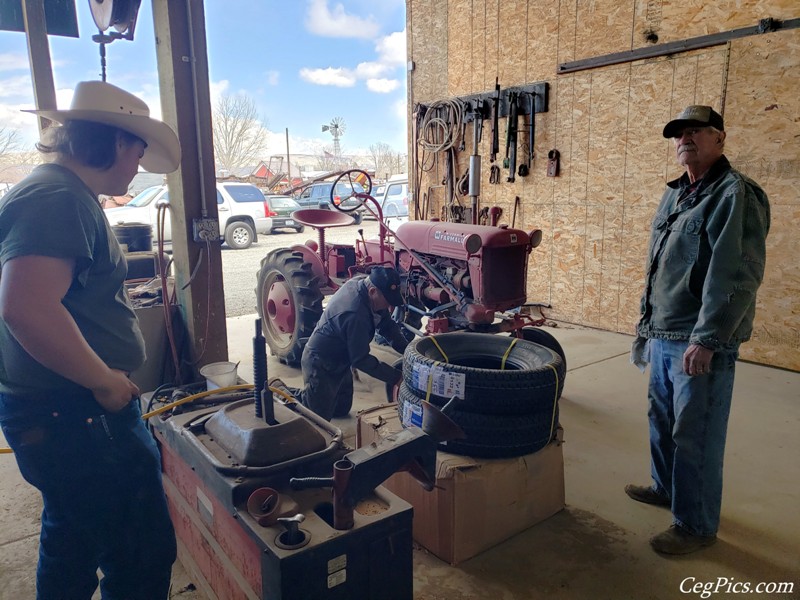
318	195
243	213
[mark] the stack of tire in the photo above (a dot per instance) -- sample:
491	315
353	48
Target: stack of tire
510	393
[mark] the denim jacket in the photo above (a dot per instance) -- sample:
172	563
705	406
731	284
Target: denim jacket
706	260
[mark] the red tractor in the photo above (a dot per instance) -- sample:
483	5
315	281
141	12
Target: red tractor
455	277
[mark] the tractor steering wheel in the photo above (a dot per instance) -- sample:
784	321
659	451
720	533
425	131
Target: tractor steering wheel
349	179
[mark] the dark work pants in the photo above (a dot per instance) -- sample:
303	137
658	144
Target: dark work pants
104	504
328	386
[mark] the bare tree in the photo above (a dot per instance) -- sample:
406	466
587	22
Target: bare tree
398	163
17	159
10	141
326	159
380	154
239	136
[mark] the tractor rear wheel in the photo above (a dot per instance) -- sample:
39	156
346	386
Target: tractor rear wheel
289	303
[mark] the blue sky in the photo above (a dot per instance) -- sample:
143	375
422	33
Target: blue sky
303	62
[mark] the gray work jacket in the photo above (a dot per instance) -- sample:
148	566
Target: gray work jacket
706	260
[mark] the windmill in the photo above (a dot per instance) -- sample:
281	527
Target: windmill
337	127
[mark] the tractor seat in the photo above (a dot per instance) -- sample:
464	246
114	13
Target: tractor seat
320	217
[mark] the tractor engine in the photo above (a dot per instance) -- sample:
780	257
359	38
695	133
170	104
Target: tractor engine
482	269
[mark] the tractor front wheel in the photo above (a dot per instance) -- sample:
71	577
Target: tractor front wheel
289	303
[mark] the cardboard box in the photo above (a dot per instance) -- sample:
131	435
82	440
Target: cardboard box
477	503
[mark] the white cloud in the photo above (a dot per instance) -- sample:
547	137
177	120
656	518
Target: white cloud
276	142
392	48
340	77
401	109
13	61
391	51
370	70
273	77
19	86
335	22
382	86
217	89
12	117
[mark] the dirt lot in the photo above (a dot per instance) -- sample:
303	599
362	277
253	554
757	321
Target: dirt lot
240	267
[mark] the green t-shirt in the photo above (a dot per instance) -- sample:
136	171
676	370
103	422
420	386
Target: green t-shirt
53	213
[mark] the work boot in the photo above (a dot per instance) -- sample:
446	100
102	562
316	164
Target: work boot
677	540
647	494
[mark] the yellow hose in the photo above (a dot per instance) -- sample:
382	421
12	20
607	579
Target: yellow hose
245	386
232	388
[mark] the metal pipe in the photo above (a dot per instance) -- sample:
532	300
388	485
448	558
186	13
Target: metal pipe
342	510
196	102
288	161
259	368
475	163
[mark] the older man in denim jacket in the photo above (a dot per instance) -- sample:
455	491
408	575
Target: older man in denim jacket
705	264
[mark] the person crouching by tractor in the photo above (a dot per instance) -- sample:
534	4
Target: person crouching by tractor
341	340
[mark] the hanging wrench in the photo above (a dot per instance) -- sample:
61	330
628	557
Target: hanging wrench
513	128
525	169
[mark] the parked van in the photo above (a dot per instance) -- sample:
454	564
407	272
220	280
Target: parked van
243	213
395	197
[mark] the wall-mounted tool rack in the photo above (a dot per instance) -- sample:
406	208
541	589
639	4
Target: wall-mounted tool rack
485	100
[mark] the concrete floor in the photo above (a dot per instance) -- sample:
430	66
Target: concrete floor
597	548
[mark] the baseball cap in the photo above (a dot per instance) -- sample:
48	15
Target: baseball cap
388	282
694	115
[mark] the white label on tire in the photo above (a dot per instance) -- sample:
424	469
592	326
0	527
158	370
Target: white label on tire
441	382
412	415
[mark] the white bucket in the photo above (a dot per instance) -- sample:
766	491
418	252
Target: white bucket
220	374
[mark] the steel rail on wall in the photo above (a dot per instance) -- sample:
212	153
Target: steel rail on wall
768	25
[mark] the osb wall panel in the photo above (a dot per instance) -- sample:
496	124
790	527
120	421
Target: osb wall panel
762	112
607	122
513	36
492	41
672	21
540	265
762	116
478	66
647	155
428	50
459	47
567	26
601	26
542	39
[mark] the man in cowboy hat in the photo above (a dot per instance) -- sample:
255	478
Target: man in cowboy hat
68	339
706	262
341	340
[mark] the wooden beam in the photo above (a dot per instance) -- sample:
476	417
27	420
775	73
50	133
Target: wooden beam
44	91
186	105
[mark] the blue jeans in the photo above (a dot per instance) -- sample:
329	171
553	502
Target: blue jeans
688	428
104	505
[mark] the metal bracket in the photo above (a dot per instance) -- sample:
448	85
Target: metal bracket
478	104
767	25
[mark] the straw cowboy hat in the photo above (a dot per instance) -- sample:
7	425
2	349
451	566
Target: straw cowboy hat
101	102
